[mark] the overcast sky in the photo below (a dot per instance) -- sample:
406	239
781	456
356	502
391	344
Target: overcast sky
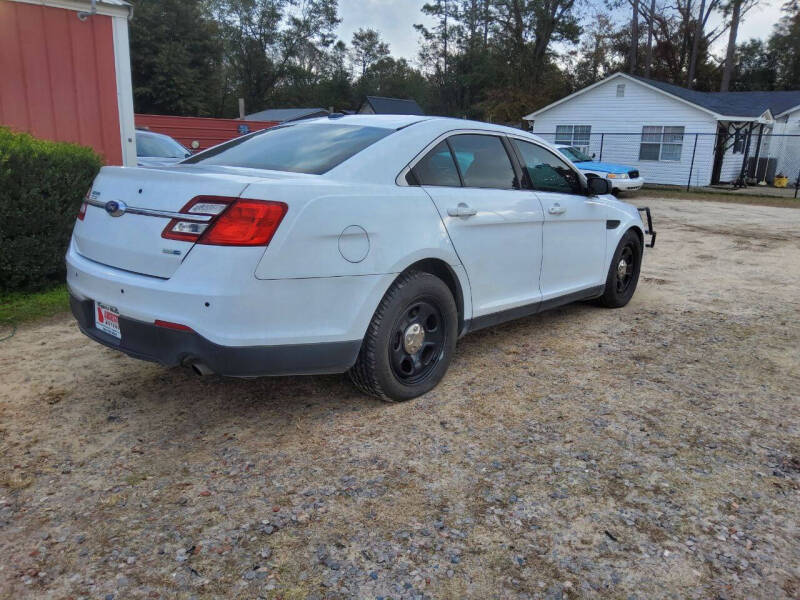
394	19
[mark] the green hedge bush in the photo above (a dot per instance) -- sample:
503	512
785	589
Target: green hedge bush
42	185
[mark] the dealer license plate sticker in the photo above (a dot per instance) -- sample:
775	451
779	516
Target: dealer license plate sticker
106	319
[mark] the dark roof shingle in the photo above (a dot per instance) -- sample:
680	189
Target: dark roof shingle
286	114
734	104
394	106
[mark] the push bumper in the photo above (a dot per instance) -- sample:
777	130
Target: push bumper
647	220
627	185
170	347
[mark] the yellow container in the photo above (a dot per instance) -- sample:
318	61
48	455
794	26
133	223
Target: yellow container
781	182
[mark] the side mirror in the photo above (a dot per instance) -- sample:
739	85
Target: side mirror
598	186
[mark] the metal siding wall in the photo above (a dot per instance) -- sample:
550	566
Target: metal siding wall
13	108
62	66
58	77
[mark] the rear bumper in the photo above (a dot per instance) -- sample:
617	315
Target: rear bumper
215	293
170	347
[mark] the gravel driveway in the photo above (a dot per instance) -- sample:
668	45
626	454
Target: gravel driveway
647	452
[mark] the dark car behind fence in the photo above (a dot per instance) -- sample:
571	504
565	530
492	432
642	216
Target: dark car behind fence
672	156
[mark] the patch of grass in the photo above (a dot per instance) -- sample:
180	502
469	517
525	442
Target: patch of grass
15	480
18	307
731	197
135	479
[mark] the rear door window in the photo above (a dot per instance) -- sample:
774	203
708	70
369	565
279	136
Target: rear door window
437	168
483	161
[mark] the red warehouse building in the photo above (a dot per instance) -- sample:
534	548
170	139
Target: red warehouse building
200	133
65	73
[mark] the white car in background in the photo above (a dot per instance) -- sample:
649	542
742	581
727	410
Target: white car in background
621	177
363	243
158	150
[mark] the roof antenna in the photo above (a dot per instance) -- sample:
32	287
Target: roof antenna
83	15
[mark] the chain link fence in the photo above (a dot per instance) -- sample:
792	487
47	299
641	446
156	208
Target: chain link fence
671	156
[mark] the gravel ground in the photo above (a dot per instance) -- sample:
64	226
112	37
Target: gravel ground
647	452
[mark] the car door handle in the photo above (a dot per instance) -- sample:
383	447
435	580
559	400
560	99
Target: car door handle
557	209
462	210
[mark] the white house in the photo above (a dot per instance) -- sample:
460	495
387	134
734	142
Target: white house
786	142
678	136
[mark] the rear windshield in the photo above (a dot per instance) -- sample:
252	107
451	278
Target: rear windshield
312	148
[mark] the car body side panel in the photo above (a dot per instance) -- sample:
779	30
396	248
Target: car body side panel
500	245
574	243
346	230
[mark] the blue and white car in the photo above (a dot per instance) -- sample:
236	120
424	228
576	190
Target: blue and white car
621	178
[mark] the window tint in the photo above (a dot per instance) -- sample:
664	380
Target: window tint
437	168
301	148
546	172
161	147
483	161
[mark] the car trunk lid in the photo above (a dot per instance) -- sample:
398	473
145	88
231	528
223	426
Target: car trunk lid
129	237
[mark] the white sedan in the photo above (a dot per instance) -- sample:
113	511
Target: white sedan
158	150
367	244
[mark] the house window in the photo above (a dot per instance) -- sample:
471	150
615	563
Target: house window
621	90
574	135
738	142
661	143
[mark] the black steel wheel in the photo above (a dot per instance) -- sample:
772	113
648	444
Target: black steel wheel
410	341
417	341
625	266
623	273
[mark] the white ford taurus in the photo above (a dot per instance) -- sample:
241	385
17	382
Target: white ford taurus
365	244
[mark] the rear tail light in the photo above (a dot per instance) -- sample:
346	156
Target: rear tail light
245	223
84	204
230	221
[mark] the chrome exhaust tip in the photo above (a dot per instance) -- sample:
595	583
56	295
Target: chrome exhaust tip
200	369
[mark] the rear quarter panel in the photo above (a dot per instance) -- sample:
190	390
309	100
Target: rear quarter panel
400	224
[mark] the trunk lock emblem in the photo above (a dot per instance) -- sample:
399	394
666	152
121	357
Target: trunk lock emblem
115	209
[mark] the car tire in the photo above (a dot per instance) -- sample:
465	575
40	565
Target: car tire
410	340
623	273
